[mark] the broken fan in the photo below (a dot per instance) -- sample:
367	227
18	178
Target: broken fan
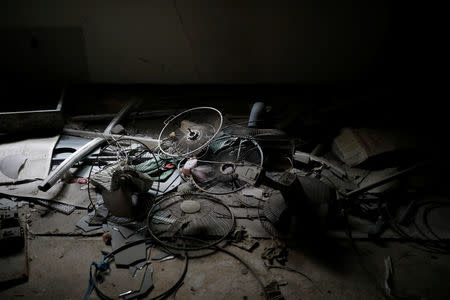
230	164
123	173
189	132
190	221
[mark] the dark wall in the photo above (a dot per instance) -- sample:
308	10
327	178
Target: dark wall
201	41
326	63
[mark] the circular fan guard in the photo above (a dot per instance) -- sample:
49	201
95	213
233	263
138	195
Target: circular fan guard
220	170
189	132
174	228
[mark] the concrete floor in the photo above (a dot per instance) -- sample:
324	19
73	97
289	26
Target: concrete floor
59	269
59	265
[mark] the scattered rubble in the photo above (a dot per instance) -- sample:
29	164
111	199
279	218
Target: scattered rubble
277	251
189	193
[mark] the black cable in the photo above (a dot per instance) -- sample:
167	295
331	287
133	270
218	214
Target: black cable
221	249
429	243
427	238
266	296
177	284
290	270
424	245
126	246
425	218
442	244
109	256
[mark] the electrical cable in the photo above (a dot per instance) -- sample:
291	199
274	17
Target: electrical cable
426	245
110	255
288	269
442	244
425	218
221	249
266	296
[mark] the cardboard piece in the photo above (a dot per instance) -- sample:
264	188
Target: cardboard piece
38	153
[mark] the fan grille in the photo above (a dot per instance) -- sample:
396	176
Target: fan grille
190	131
175	229
226	166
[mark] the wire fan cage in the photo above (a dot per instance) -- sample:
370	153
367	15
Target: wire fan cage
173	227
189	132
225	166
118	175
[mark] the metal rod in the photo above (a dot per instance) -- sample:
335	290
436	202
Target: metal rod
105	117
75	157
149	142
380	182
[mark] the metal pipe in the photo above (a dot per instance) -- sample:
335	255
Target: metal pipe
75	157
140	114
122	113
257	115
380	182
149	142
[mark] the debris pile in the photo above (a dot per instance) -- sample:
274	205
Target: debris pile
200	187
